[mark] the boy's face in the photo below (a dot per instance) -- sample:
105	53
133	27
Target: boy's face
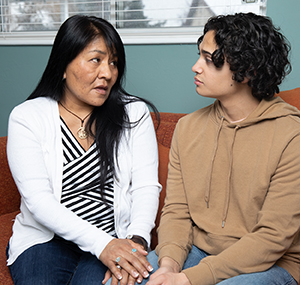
211	81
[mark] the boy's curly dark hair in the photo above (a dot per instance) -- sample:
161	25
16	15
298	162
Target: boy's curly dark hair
254	49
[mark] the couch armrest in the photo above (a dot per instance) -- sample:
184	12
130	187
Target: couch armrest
9	195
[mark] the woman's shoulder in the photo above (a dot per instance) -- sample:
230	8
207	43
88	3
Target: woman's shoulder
34	110
36	104
135	107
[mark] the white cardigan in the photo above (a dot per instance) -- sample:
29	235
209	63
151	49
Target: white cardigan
34	150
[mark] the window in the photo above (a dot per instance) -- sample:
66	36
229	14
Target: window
138	21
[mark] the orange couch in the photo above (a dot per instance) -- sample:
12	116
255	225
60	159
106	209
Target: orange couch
10	198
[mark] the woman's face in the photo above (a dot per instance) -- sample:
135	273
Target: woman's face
91	75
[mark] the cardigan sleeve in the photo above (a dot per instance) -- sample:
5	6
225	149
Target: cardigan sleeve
29	158
144	187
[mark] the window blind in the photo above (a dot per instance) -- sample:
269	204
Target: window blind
140	19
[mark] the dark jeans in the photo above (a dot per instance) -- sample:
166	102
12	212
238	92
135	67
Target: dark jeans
57	262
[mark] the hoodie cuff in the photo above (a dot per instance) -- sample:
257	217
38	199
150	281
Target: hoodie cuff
200	274
172	251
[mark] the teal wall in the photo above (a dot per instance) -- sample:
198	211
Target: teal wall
160	73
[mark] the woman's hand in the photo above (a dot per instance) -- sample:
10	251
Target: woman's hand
126	278
130	257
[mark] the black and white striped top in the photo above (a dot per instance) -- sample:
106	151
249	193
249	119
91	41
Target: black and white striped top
80	186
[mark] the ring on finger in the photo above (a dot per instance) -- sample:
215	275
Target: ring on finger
118	266
133	250
118	259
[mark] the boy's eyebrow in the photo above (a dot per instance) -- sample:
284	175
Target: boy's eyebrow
205	52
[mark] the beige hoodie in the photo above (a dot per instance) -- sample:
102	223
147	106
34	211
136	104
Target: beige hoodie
233	190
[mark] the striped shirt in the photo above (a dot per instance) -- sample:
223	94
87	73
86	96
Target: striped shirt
80	186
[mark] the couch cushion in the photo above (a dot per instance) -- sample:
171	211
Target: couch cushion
291	96
9	195
162	177
166	128
6	222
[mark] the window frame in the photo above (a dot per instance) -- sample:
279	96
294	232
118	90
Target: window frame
181	35
136	36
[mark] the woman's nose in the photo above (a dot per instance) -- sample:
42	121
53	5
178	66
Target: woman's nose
104	71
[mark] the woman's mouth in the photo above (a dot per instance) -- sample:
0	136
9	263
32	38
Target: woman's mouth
102	89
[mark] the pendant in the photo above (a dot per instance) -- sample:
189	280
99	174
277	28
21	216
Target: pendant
82	134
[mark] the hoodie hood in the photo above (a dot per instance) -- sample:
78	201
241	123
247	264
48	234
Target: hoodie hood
266	110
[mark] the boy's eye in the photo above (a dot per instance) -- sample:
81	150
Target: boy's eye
207	59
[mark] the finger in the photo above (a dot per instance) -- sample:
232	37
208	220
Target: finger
143	260
114	280
131	280
140	263
139	247
125	278
116	271
139	279
141	255
106	276
119	251
126	265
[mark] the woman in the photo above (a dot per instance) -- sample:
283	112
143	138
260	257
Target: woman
234	173
83	154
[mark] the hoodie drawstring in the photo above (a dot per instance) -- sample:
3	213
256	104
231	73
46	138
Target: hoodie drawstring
207	191
228	188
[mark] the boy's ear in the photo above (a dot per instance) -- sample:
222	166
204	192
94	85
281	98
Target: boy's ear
246	80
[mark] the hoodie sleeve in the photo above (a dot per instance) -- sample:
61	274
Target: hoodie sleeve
175	230
274	233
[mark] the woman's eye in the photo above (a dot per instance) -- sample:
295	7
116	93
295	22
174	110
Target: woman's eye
96	60
114	63
208	59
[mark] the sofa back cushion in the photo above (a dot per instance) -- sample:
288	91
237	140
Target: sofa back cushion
291	96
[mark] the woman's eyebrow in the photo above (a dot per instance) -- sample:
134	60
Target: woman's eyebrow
98	51
103	53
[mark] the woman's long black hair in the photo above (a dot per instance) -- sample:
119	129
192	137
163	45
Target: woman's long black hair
110	119
254	49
